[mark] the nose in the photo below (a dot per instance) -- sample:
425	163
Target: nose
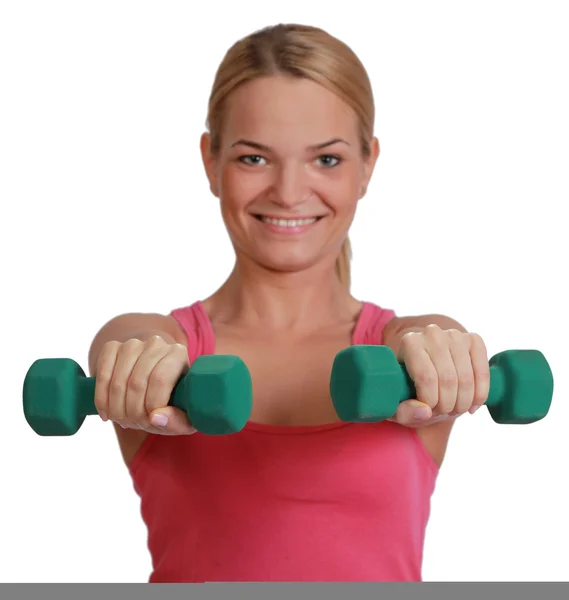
290	188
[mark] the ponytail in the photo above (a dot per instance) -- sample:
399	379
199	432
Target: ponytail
343	263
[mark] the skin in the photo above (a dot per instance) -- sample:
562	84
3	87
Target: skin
284	287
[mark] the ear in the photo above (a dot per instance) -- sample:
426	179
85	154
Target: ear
209	163
369	165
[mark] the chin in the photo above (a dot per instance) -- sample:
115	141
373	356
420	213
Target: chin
288	263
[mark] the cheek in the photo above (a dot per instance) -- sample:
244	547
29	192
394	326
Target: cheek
342	190
344	201
237	190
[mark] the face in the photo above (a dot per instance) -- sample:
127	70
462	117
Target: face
289	173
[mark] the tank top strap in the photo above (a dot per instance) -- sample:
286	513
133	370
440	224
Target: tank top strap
370	325
196	324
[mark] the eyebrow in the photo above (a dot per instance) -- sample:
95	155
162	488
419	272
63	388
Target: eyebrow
264	148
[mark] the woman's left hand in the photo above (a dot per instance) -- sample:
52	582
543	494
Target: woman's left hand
450	371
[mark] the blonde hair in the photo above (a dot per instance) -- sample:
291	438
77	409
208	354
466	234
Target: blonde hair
299	51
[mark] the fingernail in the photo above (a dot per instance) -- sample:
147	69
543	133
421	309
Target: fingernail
421	413
474	408
159	420
104	415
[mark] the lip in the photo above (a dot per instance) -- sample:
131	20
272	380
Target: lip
284	230
287	217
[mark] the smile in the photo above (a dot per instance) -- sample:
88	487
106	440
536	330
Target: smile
287	222
288	227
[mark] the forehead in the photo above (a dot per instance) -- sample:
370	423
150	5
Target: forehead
287	107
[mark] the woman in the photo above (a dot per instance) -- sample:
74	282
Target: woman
297	495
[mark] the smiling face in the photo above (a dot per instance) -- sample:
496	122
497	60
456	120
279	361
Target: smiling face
289	172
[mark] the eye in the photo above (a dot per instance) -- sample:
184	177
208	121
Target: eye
333	157
253	159
248	156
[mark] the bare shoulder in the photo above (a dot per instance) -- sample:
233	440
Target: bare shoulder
391	328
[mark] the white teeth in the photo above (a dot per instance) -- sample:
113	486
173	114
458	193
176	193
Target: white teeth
288	222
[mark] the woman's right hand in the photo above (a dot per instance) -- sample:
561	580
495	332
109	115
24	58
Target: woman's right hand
134	381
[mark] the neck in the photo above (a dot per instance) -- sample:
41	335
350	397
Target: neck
255	297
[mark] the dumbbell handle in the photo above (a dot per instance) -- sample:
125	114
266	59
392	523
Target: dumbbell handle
86	396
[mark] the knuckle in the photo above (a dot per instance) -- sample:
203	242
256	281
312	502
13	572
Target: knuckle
131	344
426	378
181	353
482	386
137	384
455	335
101	401
116	387
476	338
433	329
448	379
480	399
477	342
103	374
155	340
106	358
111	345
160	380
467	380
480	396
409	340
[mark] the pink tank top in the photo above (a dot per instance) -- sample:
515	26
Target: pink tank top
337	502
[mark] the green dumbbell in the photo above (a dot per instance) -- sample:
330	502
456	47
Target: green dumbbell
216	394
368	383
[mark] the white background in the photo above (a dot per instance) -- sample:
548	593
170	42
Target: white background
106	209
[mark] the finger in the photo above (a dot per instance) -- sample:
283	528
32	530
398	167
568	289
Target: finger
447	378
165	376
420	368
481	370
127	356
171	421
103	375
412	413
460	353
155	349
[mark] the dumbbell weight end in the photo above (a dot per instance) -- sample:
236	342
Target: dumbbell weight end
521	387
